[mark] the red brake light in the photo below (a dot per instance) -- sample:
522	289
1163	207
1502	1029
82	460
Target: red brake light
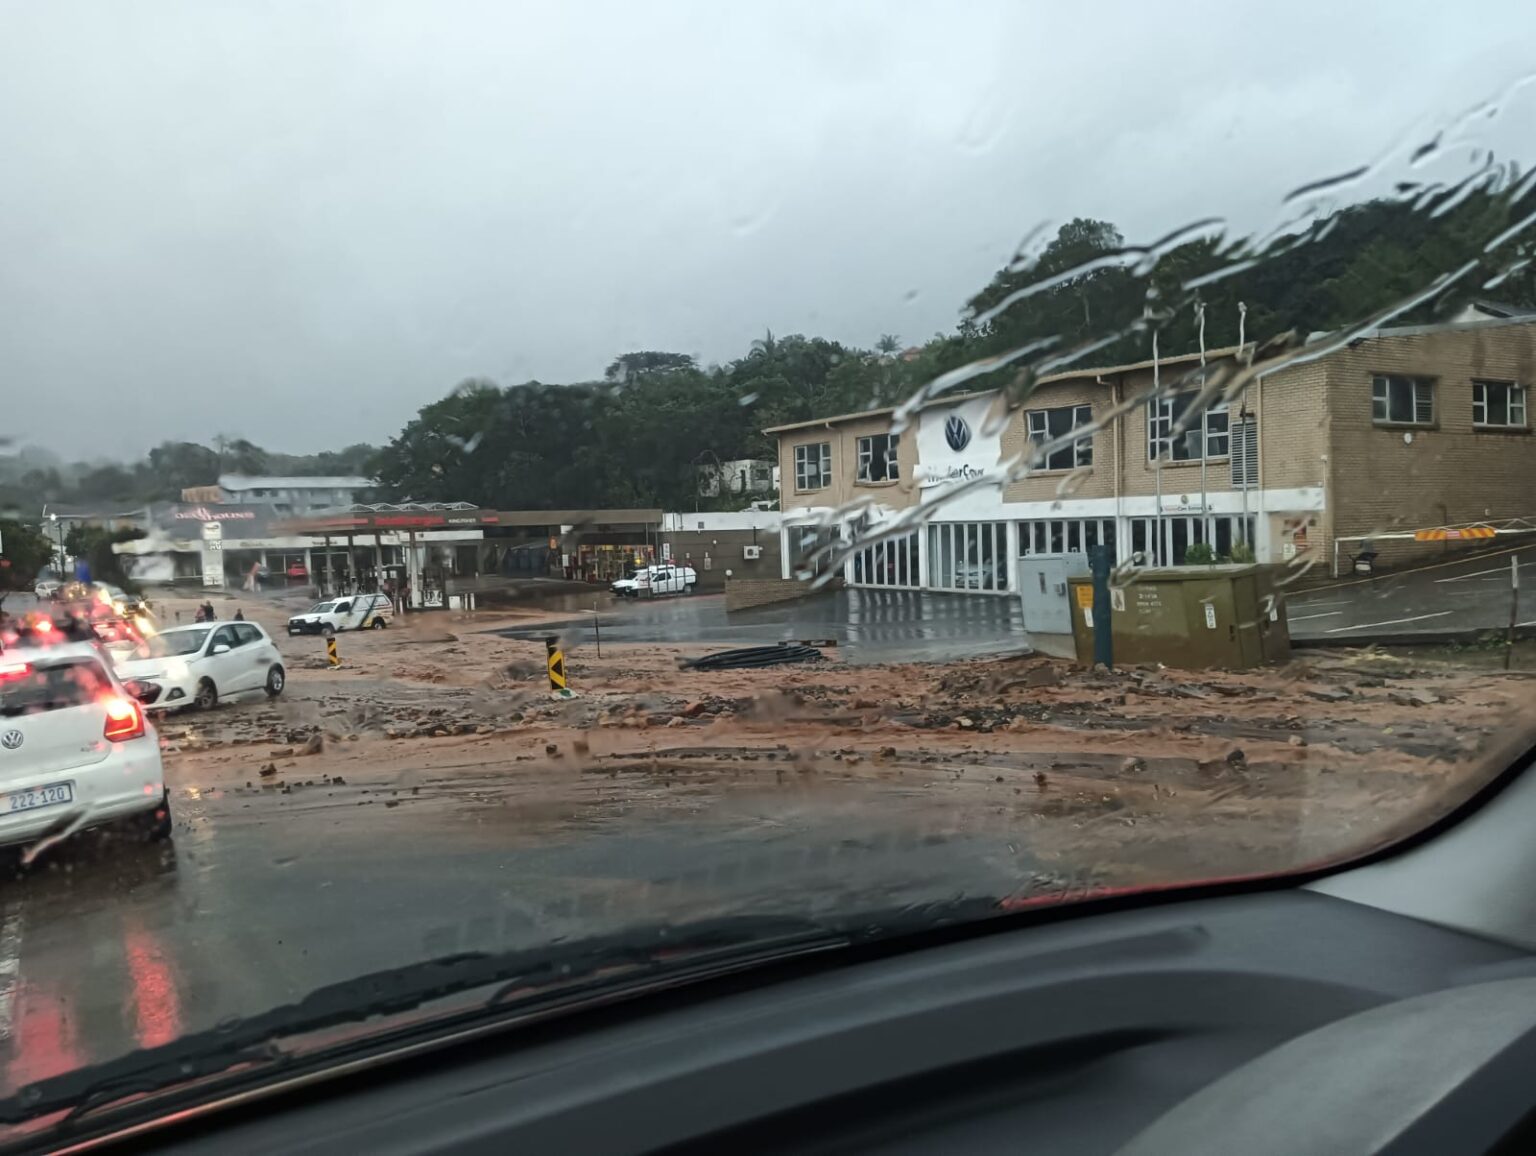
124	720
15	670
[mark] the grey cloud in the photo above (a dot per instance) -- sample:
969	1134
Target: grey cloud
300	222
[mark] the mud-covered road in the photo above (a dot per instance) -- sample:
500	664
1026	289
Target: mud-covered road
431	797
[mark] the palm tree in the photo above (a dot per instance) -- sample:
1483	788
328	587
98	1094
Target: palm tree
765	347
888	344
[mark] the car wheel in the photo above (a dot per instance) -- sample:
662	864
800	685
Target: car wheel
379	624
157	823
276	680
328	631
207	696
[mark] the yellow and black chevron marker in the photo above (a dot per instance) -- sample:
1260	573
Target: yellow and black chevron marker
556	660
330	652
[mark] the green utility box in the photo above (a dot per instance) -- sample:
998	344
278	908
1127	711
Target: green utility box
1191	617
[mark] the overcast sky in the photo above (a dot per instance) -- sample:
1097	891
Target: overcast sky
300	222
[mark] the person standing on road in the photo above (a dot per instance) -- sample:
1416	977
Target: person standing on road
405	595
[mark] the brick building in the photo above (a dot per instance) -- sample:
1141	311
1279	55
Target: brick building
1410	428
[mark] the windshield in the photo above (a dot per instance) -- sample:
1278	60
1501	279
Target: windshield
173	643
1051	455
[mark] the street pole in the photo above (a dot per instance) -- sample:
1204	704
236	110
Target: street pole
1514	607
597	628
1205	517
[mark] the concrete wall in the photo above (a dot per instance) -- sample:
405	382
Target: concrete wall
745	593
723	549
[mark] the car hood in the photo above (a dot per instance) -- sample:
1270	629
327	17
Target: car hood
128	668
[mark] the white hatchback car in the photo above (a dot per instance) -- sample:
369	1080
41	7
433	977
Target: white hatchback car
75	749
198	665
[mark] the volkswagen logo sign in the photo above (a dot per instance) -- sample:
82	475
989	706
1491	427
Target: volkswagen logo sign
12	739
957	432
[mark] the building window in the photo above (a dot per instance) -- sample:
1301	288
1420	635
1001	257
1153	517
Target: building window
968	556
1397	400
1498	405
813	466
1049	425
877	458
1206	436
889	562
1066	536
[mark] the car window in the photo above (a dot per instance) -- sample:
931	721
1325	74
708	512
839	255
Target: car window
247	632
226	636
342	607
37	688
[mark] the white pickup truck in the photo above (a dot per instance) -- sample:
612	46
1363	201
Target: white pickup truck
652	580
351	612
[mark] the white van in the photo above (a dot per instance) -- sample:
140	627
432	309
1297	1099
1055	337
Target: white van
349	612
651	580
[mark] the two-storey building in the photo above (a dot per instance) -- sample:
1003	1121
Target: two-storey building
1407	429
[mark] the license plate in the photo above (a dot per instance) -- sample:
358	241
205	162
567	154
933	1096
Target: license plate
50	796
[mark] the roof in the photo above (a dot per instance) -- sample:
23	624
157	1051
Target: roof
1047	379
325	482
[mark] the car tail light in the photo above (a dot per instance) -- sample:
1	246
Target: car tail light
124	720
15	670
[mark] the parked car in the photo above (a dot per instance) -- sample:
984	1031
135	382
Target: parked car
652	580
296	572
199	665
351	612
47	588
74	742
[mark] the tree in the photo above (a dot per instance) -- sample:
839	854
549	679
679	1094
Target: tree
629	366
888	344
94	544
24	551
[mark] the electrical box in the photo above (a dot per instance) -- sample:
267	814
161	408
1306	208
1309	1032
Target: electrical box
751	553
1193	617
1043	580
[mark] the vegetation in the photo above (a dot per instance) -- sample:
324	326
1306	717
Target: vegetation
24	551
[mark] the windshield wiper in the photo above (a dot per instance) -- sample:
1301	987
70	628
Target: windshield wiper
616	961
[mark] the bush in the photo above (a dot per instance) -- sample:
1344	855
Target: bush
1200	554
1243	552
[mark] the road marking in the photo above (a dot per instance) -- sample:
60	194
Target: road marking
1310	605
10	966
1504	570
1305	617
1389	622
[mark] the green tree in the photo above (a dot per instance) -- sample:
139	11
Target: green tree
94	544
24	551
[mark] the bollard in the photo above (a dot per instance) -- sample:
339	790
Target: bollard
556	661
330	652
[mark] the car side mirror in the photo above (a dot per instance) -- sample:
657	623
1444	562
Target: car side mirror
220	648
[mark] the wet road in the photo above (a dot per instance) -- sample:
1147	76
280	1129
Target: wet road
870	625
265	896
1445	601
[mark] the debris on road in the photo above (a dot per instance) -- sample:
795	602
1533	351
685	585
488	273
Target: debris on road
753	656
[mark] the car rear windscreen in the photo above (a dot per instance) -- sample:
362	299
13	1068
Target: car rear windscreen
53	686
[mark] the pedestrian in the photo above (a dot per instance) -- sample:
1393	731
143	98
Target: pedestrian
405	595
239	615
209	614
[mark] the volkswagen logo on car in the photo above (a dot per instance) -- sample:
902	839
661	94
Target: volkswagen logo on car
957	432
12	739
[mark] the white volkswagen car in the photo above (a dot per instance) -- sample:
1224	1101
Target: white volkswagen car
75	748
198	665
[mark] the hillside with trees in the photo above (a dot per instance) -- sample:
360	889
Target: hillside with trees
637	436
